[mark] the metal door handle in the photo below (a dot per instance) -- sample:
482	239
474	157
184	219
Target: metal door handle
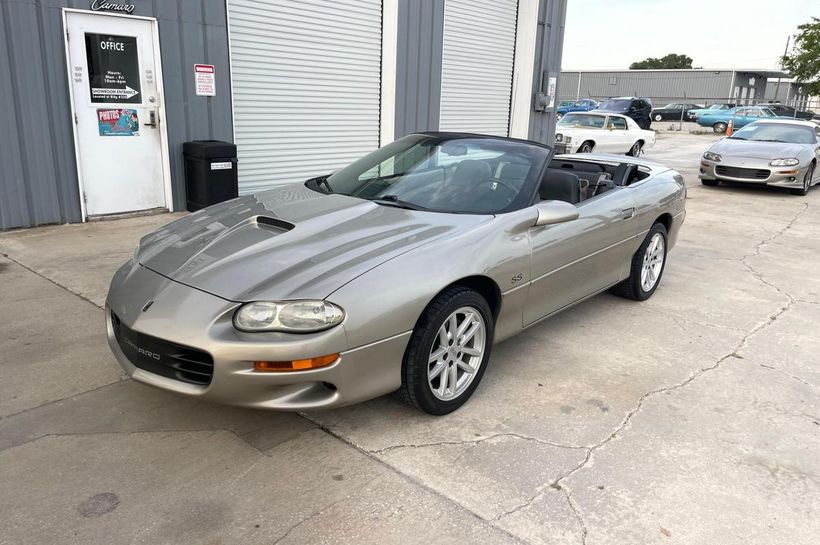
627	213
153	120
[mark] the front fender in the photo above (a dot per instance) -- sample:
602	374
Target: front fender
389	299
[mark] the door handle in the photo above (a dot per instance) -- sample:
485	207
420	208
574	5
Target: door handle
627	213
153	119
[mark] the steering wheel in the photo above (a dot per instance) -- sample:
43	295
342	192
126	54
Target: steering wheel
500	183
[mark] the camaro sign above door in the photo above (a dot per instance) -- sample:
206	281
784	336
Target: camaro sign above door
113	68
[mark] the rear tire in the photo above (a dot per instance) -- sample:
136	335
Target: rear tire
586	147
436	358
635	150
720	127
710	183
658	117
647	267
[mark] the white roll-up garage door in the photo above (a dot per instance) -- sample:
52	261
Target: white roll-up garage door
477	65
306	86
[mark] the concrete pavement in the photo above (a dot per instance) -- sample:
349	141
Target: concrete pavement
691	418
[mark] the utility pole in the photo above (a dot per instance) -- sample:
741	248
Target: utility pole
785	52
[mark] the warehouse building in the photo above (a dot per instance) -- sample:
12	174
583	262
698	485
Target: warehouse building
699	86
97	96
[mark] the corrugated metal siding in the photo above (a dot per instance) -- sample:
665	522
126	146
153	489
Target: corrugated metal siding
660	86
418	66
38	180
549	44
306	83
477	65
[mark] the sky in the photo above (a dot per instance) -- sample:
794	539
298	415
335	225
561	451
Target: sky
615	33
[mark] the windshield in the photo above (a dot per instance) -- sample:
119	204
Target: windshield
616	104
776	132
444	173
582	121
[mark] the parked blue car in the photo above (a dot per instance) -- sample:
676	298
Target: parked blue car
583	105
740	116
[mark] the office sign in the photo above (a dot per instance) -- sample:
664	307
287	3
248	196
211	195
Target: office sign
113	68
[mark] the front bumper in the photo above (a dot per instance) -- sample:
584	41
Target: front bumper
751	172
192	318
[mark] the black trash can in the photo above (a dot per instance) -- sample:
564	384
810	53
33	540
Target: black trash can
210	172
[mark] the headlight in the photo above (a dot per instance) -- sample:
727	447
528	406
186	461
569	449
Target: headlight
292	316
559	137
788	162
712	156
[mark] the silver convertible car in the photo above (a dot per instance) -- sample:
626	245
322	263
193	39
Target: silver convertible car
397	273
778	152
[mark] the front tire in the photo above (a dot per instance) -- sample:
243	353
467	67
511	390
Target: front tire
658	117
647	267
803	191
448	352
720	127
586	147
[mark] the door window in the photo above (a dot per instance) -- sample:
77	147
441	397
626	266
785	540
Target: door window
113	68
618	123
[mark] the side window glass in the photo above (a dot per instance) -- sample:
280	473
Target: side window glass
617	123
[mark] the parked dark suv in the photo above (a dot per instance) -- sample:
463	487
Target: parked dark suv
637	108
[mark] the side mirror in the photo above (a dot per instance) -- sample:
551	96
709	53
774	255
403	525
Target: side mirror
552	212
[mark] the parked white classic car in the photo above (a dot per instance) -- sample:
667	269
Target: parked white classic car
583	132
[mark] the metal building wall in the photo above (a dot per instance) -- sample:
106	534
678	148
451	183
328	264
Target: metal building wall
418	66
549	46
38	178
660	85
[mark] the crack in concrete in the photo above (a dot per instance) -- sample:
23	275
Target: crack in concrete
44	277
782	372
558	483
473	442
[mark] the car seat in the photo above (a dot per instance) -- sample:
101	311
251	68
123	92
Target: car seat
560	186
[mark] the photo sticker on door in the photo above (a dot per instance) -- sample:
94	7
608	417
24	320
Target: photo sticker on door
118	122
113	68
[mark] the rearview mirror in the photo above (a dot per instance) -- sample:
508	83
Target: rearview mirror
552	212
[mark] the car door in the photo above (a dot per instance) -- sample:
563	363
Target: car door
620	138
582	257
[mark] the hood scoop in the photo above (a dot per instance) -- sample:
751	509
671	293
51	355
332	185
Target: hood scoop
274	223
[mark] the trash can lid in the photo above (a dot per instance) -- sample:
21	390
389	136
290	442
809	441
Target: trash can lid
209	149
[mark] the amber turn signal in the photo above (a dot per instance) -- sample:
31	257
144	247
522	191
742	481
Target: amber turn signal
295	365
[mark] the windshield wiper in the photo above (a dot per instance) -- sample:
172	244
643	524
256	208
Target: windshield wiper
393	200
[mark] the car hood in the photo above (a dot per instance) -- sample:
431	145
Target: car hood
289	243
756	150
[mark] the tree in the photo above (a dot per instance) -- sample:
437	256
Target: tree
803	61
672	60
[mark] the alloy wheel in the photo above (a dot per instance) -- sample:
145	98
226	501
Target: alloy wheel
653	262
457	353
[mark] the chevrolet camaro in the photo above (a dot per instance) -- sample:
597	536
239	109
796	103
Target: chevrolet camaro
778	152
397	273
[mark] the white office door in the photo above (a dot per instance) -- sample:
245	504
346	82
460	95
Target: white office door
306	82
477	65
117	104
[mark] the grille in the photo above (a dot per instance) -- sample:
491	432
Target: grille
163	357
746	173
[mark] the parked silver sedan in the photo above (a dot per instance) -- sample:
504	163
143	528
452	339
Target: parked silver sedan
778	152
397	273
